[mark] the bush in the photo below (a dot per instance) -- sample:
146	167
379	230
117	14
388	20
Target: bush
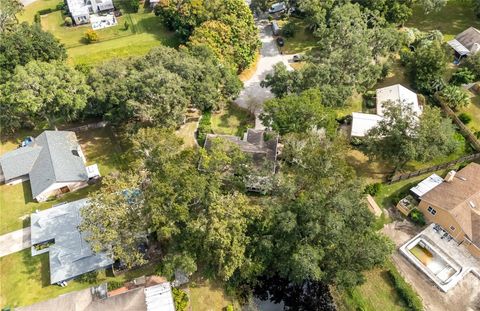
112	285
126	25
477	134
462	76
180	298
91	36
204	128
90	277
373	189
405	291
417	217
288	30
230	308
37	19
68	21
46	11
134	5
60	6
465	118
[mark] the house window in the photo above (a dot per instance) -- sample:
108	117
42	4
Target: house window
452	228
431	210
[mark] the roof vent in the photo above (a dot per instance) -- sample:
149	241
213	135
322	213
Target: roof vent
450	176
472	205
75	153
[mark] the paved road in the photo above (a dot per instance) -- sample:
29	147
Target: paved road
14	241
253	95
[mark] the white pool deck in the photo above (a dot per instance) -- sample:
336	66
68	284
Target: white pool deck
451	252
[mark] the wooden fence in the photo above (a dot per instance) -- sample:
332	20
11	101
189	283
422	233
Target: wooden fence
463	129
442	166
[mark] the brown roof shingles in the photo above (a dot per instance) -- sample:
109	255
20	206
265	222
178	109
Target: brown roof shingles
461	198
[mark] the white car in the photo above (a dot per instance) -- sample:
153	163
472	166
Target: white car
277	8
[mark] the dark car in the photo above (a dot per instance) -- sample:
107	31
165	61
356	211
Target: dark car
280	41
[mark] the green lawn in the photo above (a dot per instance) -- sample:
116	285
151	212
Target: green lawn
377	293
454	18
25	280
231	121
145	31
303	40
208	296
474	111
16	202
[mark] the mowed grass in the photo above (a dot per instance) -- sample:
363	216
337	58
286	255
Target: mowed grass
231	121
208	296
25	280
145	31
16	202
454	18
474	111
377	293
303	39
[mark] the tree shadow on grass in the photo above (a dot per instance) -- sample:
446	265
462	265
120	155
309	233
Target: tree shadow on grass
37	266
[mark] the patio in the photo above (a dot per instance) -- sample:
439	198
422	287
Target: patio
102	21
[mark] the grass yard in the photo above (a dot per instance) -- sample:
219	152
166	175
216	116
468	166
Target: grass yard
187	133
397	75
377	293
145	31
25	280
474	111
231	121
302	41
16	202
454	18
207	296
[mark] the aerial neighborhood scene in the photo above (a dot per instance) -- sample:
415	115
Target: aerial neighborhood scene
240	155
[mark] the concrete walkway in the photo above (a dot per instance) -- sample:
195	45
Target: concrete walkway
14	241
253	95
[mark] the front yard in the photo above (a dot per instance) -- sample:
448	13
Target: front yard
16	202
25	280
144	32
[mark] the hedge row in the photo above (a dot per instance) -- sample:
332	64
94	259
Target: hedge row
204	127
405	291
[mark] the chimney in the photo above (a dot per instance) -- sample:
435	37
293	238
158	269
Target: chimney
450	176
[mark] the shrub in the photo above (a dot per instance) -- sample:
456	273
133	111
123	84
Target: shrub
112	285
68	21
373	189
37	18
204	128
405	291
455	97
465	118
134	5
90	277
417	217
46	11
230	308
462	76
288	30
61	6
126	25
91	36
477	134
180	298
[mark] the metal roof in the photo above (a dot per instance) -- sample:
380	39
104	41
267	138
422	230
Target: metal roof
363	122
457	46
70	255
159	297
427	184
397	94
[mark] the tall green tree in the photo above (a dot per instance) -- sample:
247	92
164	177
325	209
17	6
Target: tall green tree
297	114
8	14
455	97
42	91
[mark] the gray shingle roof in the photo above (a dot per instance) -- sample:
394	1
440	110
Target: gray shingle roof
70	255
469	38
47	161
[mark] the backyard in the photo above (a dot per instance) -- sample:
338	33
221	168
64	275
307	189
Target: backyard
144	32
25	280
302	40
454	18
473	110
16	202
231	121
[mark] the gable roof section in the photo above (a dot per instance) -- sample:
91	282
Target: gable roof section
19	162
363	122
398	94
70	255
470	39
461	198
56	162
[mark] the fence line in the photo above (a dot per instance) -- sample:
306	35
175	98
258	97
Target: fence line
442	166
90	126
464	129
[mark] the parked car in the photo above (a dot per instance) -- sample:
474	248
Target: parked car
277	8
280	41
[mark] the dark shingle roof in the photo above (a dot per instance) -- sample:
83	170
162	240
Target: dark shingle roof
469	38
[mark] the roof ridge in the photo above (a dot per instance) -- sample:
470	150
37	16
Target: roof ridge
50	153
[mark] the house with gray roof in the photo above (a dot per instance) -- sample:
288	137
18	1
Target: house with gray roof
466	43
53	162
55	230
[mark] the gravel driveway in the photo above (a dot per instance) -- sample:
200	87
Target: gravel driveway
253	95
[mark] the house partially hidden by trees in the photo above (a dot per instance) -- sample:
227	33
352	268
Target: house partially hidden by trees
55	230
53	162
262	147
466	43
397	94
82	9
